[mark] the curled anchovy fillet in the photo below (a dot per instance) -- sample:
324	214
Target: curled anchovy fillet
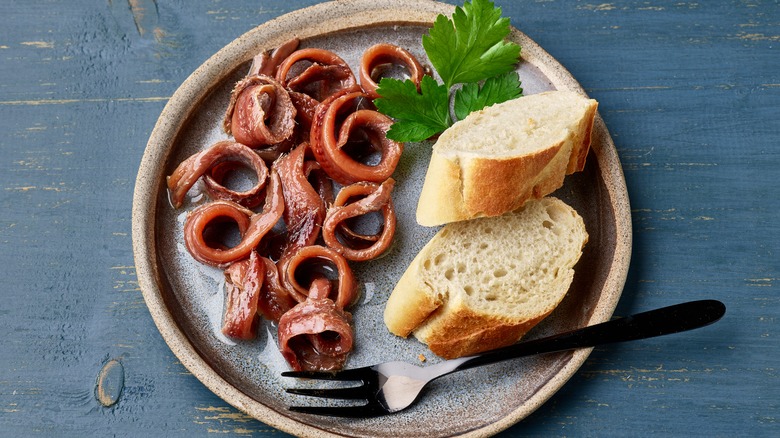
319	180
213	164
318	73
251	226
344	292
345	241
243	282
306	106
266	62
316	335
304	209
274	300
381	55
304	111
340	121
260	112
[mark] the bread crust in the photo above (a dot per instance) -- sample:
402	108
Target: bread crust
411	303
457	330
465	333
446	198
487	308
583	138
465	185
492	186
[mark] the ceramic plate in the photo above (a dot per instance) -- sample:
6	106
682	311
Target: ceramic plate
185	298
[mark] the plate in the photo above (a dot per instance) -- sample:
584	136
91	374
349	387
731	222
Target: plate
185	298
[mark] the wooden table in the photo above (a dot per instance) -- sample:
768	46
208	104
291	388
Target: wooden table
690	91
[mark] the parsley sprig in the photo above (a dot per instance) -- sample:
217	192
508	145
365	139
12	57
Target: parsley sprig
468	50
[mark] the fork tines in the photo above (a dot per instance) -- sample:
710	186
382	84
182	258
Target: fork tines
351	374
362	392
349	393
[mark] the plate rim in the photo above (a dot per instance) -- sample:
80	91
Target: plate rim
346	16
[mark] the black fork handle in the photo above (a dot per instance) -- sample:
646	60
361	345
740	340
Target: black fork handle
659	322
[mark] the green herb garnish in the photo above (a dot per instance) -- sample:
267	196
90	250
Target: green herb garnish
473	97
470	50
418	115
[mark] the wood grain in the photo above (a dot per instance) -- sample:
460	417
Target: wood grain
689	90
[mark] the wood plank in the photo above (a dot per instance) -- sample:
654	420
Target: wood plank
689	91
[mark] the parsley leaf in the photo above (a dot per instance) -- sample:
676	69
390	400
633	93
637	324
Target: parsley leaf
471	46
473	97
468	49
418	115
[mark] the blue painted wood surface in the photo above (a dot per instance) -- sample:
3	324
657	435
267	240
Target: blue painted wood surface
690	91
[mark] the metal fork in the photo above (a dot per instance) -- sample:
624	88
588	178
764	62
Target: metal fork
393	386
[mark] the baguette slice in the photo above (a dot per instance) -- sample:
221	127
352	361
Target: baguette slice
496	159
482	284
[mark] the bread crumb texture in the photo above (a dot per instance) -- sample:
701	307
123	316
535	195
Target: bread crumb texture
483	283
515	127
506	264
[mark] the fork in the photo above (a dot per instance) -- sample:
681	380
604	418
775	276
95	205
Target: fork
394	386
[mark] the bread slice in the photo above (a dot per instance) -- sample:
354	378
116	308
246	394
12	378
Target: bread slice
482	284
496	159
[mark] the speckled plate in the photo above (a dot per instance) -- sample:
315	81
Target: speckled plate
185	298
